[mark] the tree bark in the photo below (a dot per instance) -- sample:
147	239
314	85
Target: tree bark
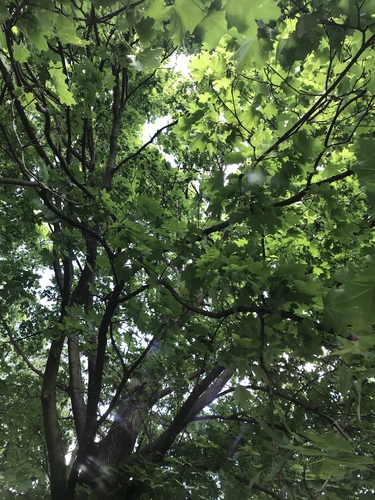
54	439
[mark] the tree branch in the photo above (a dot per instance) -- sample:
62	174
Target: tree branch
304	192
20	182
144	146
317	104
95	382
18	349
202	395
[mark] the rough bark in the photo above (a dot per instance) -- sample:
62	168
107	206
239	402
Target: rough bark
117	447
122	435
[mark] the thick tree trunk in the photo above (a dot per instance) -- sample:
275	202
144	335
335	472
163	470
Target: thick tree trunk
121	437
54	440
117	448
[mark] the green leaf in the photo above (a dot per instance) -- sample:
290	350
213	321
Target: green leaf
245	17
190	12
66	28
147	59
184	16
244	342
242	396
351	304
358	388
330	441
149	205
37	28
247	55
365	168
210	256
345	379
21	53
59	81
309	339
212	28
146	31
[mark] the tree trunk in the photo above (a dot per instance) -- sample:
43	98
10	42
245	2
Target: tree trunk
54	440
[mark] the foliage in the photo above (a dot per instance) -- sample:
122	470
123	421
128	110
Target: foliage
190	315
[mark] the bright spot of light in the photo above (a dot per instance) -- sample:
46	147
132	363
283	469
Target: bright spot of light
255	177
180	63
150	128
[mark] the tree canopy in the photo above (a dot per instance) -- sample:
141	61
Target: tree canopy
187	260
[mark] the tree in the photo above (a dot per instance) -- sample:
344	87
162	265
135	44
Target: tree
206	329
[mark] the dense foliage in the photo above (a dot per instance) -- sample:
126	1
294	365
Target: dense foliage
187	314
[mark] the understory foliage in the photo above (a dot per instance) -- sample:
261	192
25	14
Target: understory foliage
187	258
